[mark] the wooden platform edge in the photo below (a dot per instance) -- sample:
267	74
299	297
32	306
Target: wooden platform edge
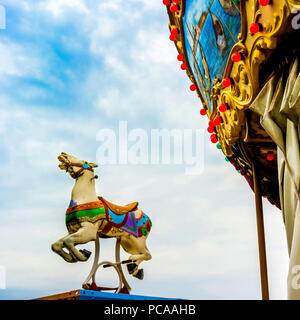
70	295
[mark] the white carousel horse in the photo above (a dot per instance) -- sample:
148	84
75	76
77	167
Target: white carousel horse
90	216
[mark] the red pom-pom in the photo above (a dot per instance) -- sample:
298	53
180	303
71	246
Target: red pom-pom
226	82
172	37
222	107
264	3
183	66
210	129
236	57
213	138
211	123
192	87
166	2
203	112
270	156
174	32
217	121
174	8
254	28
175	1
180	57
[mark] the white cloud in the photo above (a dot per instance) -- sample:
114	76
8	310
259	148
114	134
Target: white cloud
59	7
14	61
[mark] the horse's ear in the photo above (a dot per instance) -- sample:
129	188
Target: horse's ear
93	165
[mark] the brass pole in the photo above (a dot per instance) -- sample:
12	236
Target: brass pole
260	234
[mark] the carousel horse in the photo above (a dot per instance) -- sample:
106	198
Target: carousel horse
89	217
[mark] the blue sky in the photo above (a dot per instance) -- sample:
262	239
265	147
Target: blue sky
69	68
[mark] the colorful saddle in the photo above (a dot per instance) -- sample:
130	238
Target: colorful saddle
96	210
120	209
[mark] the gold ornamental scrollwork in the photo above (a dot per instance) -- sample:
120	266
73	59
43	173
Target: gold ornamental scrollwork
275	20
255	50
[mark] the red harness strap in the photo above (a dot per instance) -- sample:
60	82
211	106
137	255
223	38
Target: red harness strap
84	166
111	224
107	228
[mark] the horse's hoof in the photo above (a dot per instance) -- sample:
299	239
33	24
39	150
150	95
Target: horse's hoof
71	260
140	274
131	267
86	286
86	253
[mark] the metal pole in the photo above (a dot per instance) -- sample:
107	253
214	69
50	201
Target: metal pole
260	234
95	263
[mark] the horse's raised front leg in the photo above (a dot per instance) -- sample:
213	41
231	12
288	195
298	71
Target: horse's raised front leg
86	233
139	252
57	247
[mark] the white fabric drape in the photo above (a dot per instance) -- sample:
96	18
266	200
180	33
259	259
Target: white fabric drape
278	104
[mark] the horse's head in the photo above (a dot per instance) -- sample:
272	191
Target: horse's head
74	166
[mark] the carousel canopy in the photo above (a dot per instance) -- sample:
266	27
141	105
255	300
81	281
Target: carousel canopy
230	49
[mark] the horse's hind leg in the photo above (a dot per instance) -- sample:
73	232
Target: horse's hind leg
86	233
139	252
57	247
